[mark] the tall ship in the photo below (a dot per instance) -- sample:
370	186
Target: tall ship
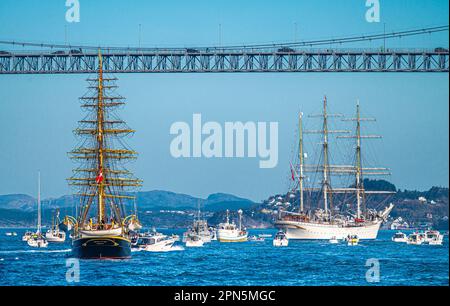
334	211
230	232
101	226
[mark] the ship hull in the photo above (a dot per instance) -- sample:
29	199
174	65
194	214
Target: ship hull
109	247
315	231
231	236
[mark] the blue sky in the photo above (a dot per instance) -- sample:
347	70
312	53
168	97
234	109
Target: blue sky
38	113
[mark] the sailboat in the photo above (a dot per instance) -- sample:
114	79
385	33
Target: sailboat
101	179
37	240
326	223
54	234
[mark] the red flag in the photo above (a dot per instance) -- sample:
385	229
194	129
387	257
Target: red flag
292	173
99	177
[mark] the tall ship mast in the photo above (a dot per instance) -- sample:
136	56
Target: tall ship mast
101	226
327	218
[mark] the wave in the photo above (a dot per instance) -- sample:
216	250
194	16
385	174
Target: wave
172	249
35	251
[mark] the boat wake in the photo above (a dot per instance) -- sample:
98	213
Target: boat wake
172	249
35	251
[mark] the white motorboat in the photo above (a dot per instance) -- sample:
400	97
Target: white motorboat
8	234
213	232
154	242
265	235
54	234
37	241
352	240
256	238
416	238
433	237
229	232
280	239
333	240
27	235
194	241
400	237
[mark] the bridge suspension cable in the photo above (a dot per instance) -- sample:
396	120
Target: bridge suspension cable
307	43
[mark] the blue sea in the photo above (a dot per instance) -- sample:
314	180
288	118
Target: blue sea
314	263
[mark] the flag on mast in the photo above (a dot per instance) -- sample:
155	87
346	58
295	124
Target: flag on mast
99	177
293	174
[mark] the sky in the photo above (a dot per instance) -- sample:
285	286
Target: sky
39	112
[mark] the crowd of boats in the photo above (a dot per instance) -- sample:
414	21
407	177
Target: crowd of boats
431	237
200	233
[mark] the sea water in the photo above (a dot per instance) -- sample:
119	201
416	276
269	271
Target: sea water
248	263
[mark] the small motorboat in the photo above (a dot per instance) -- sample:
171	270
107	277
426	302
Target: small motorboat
213	232
400	237
280	239
8	234
37	241
53	235
352	240
256	238
265	235
433	237
194	241
333	240
416	238
154	242
27	236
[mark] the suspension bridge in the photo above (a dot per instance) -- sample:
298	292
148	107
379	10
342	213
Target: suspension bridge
284	57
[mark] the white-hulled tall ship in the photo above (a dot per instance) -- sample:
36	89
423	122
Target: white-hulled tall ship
102	181
322	220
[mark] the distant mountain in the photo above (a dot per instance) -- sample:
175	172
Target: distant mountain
17	201
146	200
222	201
20	209
160	199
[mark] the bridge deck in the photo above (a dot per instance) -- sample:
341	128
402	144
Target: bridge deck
207	61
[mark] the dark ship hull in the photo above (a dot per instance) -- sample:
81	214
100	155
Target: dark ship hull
110	247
